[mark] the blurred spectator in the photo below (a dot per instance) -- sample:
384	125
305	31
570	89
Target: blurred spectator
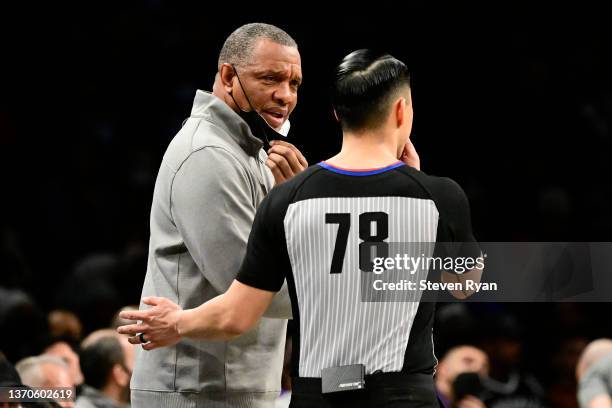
509	383
66	352
47	372
10	378
8	375
455	324
44	371
90	291
594	373
457	361
63	323
107	361
22	324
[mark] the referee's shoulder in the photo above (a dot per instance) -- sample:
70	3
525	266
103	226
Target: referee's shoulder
292	185
439	186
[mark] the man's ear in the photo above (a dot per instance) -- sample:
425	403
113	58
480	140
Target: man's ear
120	375
442	370
227	74
399	109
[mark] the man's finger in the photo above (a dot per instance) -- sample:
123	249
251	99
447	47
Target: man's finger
150	345
134	314
410	155
297	152
282	164
410	148
276	172
152	300
133	329
289	155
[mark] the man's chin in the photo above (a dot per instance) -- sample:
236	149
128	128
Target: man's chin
273	121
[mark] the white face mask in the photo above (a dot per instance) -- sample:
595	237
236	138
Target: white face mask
284	129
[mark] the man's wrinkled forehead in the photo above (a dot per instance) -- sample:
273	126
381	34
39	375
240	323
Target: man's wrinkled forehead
278	69
276	58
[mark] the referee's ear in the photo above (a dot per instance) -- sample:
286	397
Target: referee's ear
399	109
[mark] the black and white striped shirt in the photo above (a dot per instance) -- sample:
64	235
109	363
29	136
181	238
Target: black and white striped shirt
311	229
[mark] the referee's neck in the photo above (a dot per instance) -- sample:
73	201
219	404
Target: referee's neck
366	150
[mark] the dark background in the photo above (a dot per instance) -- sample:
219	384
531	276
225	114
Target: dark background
514	104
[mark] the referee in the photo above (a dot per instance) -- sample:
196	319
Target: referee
309	230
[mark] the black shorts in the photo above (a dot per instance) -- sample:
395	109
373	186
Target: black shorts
395	390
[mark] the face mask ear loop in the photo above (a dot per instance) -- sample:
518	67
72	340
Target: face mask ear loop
243	91
236	103
231	93
263	130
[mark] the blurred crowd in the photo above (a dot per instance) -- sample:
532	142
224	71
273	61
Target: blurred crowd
490	355
52	351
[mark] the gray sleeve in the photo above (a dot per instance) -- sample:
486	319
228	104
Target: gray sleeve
596	381
83	402
280	308
212	207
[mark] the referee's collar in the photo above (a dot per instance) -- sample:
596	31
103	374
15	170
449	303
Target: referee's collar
213	109
360	172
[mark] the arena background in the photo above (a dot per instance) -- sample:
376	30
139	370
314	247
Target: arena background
515	105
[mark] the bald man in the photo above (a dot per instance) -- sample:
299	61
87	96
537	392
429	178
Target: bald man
64	351
107	361
46	371
594	374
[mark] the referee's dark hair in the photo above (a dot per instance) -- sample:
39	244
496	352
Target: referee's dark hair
364	84
98	359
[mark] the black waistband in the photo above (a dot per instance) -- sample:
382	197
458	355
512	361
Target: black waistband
382	380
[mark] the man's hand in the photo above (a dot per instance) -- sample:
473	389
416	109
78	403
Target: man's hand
285	160
159	324
410	156
470	401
